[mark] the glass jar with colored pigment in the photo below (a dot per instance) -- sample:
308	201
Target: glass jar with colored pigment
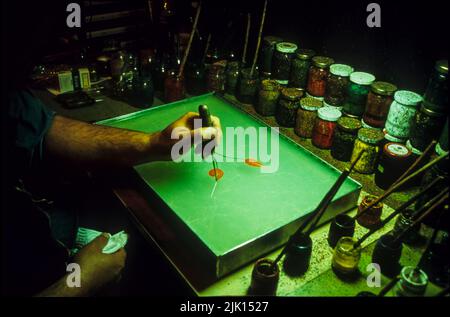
379	100
336	88
394	161
288	104
436	94
345	257
215	77
357	91
195	79
281	62
268	95
426	126
306	116
300	68
325	126
247	88
401	113
232	77
371	218
413	282
174	88
344	138
267	50
368	140
318	75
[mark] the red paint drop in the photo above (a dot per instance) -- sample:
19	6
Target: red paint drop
253	162
216	171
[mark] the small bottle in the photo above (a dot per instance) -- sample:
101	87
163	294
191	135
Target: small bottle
379	100
345	257
306	116
288	104
281	62
300	68
368	140
324	127
357	92
344	138
413	282
268	95
371	218
401	113
318	75
436	94
336	88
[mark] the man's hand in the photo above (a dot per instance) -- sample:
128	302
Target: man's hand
97	268
184	127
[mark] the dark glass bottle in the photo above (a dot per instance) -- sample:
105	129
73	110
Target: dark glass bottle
426	126
436	94
267	51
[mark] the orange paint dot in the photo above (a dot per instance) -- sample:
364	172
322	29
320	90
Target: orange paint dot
217	172
253	162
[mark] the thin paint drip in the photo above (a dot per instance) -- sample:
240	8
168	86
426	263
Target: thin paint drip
253	162
216	172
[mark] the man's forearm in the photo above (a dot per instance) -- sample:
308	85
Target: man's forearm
94	145
60	289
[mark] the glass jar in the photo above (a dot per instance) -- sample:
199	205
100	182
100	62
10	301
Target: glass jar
281	62
268	95
174	89
267	51
300	68
394	161
378	101
368	140
426	126
318	75
306	116
401	113
389	138
346	257
288	104
344	138
357	91
215	77
404	221
371	218
336	88
247	86
436	94
232	77
195	79
413	282
324	127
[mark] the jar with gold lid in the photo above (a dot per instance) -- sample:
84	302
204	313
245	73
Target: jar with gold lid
318	75
379	100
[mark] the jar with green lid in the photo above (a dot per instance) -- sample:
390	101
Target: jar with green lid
318	75
268	95
401	113
426	126
368	140
247	88
436	94
344	138
300	68
336	88
267	50
357	91
281	62
288	104
306	116
232	77
379	100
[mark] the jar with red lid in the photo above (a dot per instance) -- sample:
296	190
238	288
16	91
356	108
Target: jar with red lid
324	127
174	89
379	100
318	75
394	161
336	88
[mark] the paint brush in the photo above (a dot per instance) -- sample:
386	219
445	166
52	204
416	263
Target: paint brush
258	44
207	122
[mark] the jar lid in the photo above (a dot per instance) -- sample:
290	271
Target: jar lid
392	138
310	104
413	149
341	70
322	61
272	40
329	113
349	124
371	136
397	150
305	54
286	47
425	108
407	98
383	88
442	66
362	78
269	84
292	93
